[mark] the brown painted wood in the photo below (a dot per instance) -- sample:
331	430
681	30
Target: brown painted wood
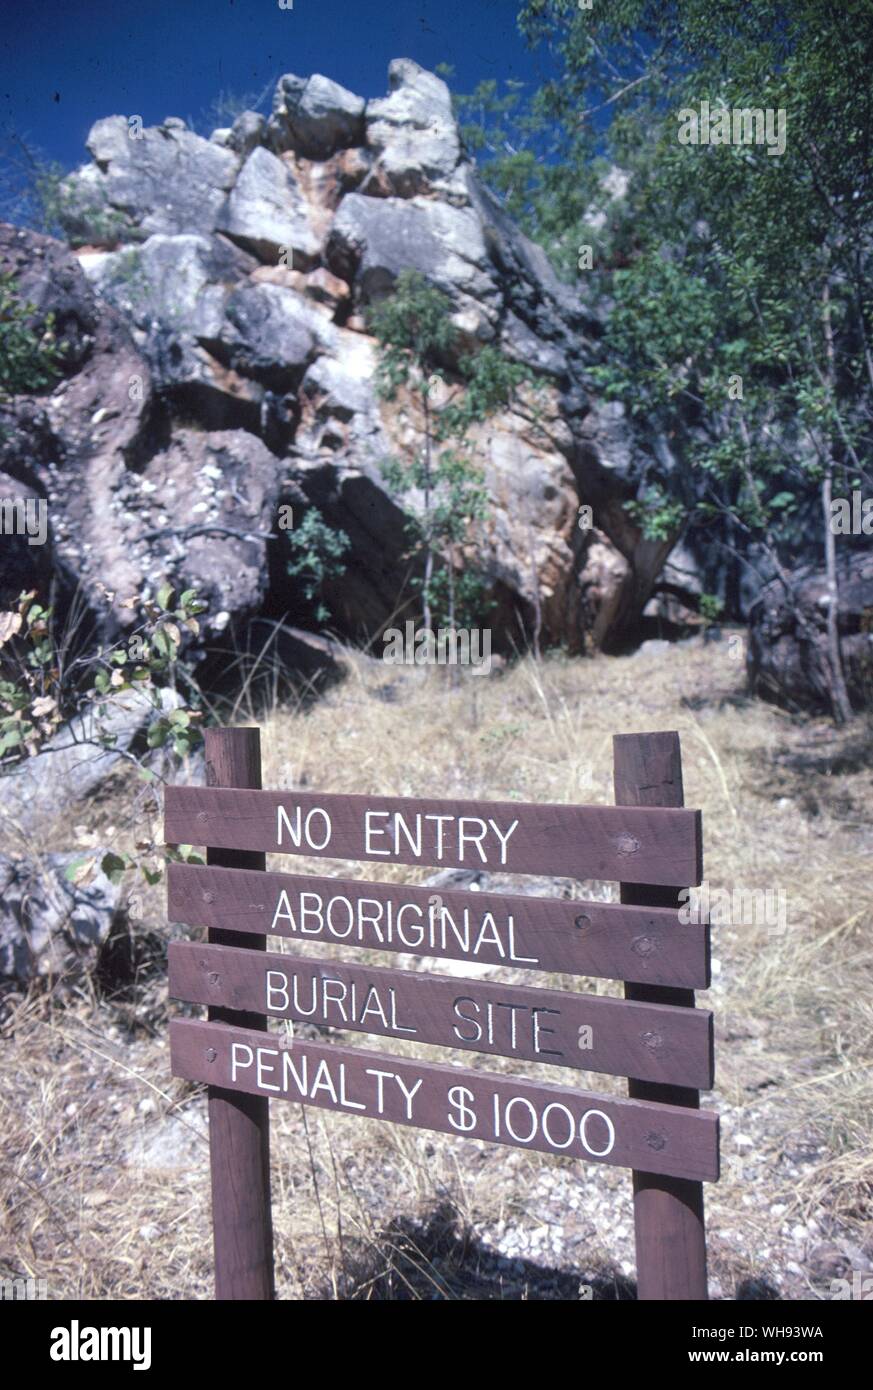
602	842
425	1095
668	1212
583	1031
239	1125
561	936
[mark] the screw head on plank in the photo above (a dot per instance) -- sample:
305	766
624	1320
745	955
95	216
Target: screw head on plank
645	946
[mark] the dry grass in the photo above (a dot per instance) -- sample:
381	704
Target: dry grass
103	1174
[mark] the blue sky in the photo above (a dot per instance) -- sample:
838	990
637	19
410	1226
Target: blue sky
64	65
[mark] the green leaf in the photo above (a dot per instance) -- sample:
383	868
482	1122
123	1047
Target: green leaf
72	869
157	734
114	866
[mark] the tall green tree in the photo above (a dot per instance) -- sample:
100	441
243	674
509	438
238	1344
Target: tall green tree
738	278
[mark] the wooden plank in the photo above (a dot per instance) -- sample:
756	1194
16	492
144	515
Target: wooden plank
668	1210
239	1125
451	1100
563	1029
604	940
603	842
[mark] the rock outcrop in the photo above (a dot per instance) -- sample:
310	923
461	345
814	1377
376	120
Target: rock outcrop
75	761
787	654
51	929
219	367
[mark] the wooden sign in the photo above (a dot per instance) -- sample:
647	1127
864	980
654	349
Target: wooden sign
591	1033
602	842
654	1036
474	1105
604	940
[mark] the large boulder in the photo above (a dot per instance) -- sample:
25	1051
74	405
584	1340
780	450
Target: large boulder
179	284
414	136
246	133
74	444
174	290
271	333
200	514
373	239
130	501
267	213
75	762
787	653
51	929
156	179
315	117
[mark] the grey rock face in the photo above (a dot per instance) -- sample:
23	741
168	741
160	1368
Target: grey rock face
124	511
180	283
200	513
267	214
246	133
414	136
167	180
272	332
276	354
315	117
74	444
48	927
373	239
175	291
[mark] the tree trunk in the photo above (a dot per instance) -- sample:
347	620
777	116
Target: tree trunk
453	670
842	707
537	597
428	551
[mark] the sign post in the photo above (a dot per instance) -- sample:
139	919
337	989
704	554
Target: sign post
668	1211
239	1125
